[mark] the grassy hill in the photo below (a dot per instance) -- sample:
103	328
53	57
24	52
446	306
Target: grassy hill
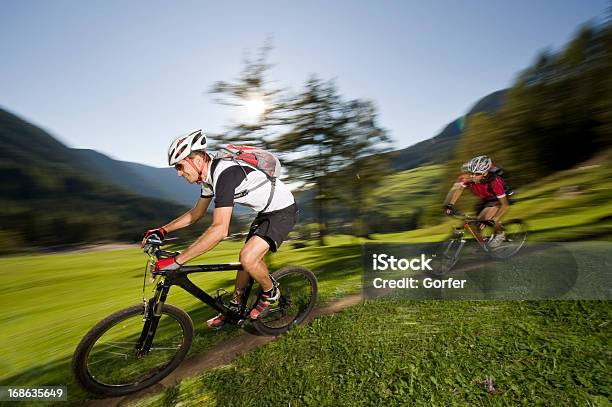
405	192
397	353
569	205
573	204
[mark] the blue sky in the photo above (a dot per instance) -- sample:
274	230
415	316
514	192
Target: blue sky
125	77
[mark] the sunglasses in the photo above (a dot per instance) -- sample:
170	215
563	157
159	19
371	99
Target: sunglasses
178	167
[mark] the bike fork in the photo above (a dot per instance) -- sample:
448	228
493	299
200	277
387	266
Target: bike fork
152	315
455	251
457	238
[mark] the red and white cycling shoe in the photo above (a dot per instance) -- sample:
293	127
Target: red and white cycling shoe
218	322
264	302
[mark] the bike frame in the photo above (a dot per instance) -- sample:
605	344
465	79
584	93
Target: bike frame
467	225
456	243
180	278
153	307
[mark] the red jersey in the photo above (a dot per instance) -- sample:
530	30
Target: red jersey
495	188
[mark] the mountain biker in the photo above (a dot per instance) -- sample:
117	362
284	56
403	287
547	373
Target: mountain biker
227	181
480	178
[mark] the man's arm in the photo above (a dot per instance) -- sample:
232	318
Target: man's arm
190	217
216	232
454	194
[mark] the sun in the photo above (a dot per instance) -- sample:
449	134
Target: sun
255	106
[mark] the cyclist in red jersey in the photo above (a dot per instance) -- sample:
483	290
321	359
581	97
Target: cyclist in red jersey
489	187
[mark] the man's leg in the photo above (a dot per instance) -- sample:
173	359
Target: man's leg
488	212
251	258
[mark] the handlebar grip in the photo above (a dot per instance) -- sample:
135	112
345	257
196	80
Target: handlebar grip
165	253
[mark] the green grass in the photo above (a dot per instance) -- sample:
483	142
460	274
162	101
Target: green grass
407	191
50	301
396	353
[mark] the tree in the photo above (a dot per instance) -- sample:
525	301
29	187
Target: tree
316	134
557	114
363	143
327	137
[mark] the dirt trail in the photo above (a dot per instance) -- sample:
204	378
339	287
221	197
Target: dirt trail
219	355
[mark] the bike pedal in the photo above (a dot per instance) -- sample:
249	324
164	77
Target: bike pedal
221	293
216	327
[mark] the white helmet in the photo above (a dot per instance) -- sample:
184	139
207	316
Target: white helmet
478	165
184	144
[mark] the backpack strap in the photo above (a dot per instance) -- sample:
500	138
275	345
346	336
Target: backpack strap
272	188
213	166
244	193
247	191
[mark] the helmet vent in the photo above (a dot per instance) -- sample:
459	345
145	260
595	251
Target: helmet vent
179	152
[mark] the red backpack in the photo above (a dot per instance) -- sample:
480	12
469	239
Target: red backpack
258	158
263	160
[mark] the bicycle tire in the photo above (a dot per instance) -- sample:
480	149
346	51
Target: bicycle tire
267	325
81	368
517	239
444	261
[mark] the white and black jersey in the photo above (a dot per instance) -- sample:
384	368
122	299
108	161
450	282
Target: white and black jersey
226	180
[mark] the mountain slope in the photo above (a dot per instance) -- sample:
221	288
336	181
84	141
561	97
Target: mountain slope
161	183
439	148
51	196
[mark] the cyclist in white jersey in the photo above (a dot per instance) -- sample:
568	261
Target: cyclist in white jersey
229	182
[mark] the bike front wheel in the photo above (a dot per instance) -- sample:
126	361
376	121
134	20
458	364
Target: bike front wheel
298	287
446	256
107	361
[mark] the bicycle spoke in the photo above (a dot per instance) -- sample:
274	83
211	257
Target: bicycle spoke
98	361
297	297
115	362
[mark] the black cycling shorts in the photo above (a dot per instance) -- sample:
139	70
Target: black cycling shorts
487	203
274	227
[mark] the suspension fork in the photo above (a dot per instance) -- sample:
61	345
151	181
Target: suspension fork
152	314
457	237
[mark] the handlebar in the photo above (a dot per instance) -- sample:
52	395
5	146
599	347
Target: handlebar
152	247
469	218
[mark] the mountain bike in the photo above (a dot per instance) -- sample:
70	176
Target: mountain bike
138	346
484	231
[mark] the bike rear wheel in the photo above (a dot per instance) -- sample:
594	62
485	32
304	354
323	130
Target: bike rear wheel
107	363
298	287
